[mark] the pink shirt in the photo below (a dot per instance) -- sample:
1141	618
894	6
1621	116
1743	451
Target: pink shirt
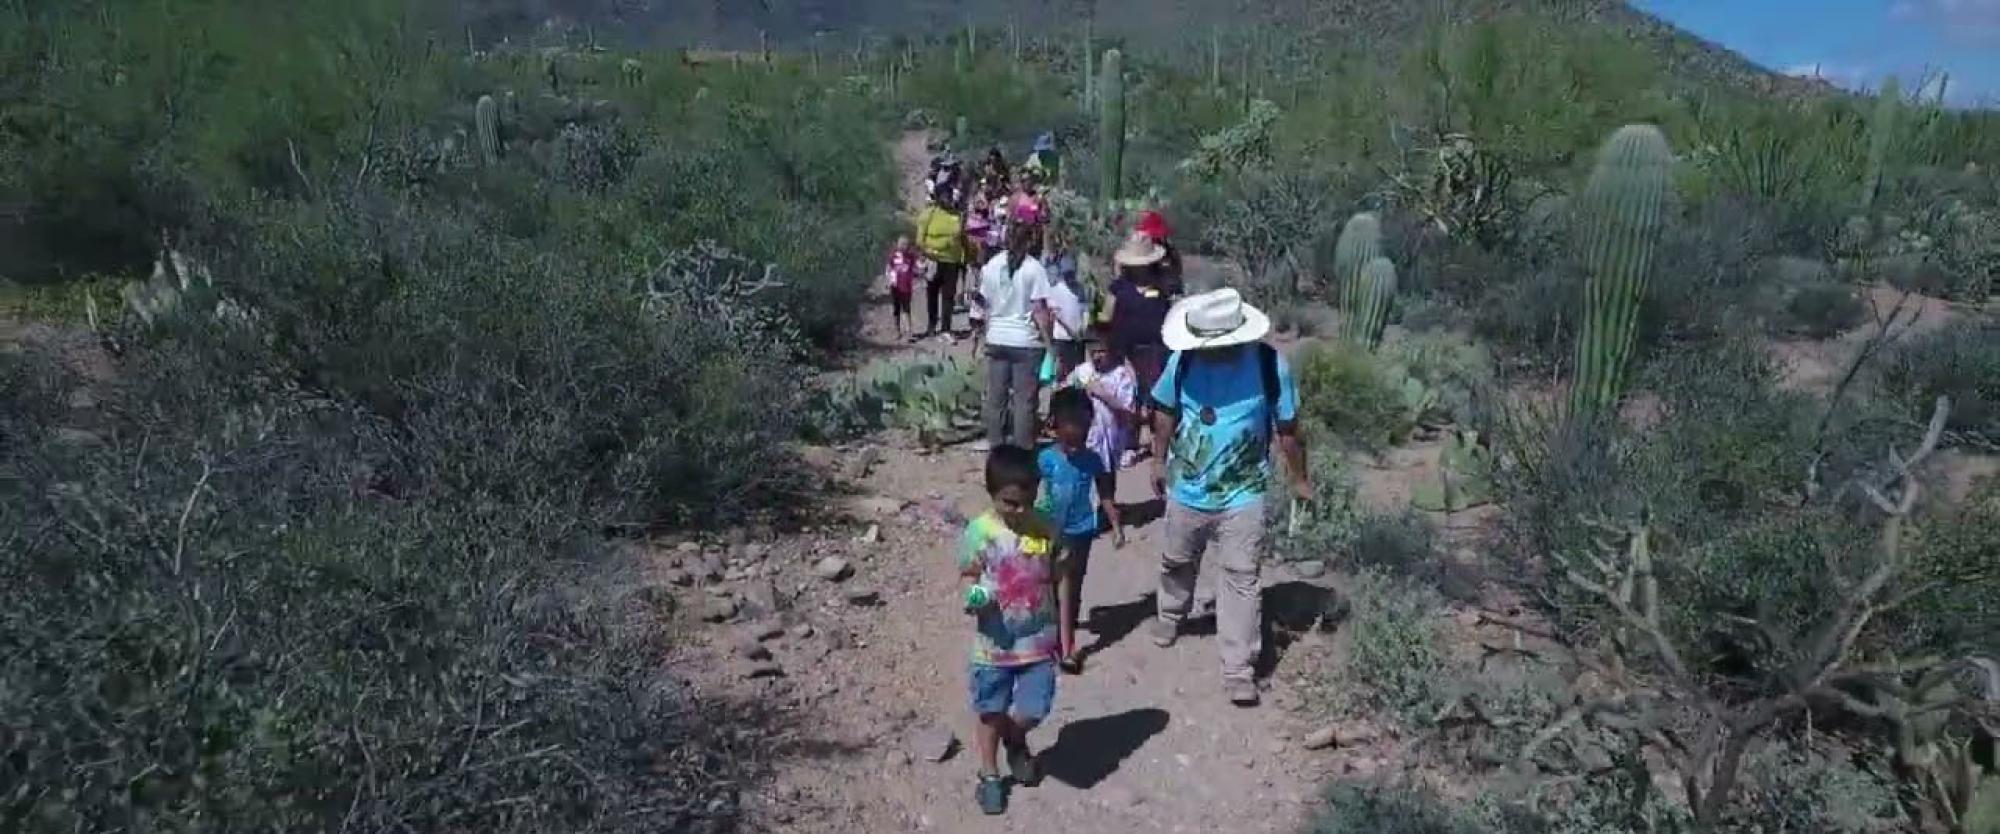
902	270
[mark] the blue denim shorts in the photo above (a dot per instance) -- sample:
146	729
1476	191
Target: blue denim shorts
1028	692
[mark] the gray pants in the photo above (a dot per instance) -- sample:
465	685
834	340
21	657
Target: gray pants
1012	389
1234	539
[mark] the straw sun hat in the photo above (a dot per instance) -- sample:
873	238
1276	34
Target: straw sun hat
1212	320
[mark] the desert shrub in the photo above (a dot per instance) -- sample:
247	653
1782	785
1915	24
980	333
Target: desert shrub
1530	320
1324	527
1961	362
1403	544
1822	311
1348	395
1956	564
1396	653
1797	789
1352	808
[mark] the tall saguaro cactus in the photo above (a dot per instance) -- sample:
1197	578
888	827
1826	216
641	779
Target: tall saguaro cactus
1621	212
1111	126
1360	242
1881	136
1374	291
1089	67
486	120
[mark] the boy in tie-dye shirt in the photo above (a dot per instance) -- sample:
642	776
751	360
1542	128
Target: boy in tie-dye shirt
1013	551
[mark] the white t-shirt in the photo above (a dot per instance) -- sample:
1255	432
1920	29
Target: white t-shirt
1010	320
1066	307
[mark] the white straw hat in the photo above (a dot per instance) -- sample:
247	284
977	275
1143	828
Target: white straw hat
1212	320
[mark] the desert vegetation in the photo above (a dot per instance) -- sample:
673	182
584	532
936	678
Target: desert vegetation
346	352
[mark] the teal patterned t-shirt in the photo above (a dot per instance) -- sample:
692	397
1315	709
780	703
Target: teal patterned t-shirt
1220	457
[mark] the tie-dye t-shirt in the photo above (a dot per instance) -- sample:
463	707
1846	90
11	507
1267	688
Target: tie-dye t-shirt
1019	628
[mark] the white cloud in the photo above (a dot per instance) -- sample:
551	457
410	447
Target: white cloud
1965	18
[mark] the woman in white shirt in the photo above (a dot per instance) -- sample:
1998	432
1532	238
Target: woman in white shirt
1010	282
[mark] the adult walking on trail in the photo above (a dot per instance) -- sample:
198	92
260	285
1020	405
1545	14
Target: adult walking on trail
1224	399
1139	300
1015	346
941	237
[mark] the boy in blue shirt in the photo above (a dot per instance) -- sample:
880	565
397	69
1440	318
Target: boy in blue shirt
1078	485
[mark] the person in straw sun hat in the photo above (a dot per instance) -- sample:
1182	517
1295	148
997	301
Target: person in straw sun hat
1222	401
1136	308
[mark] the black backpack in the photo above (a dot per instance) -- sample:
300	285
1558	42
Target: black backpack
1267	368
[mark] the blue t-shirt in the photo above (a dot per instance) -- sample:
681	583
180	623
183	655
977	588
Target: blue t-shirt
1069	489
1225	464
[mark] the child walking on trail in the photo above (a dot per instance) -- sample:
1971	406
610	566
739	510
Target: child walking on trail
901	274
1077	492
1114	397
1014	553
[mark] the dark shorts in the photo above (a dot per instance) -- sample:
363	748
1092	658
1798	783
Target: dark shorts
1026	692
1077	549
899	302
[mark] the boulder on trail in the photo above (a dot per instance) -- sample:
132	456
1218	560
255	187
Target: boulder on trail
935	743
718	609
863	597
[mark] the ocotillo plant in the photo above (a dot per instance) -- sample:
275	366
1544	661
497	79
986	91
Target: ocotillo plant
1620	212
1360	242
1375	289
1881	136
486	121
1111	127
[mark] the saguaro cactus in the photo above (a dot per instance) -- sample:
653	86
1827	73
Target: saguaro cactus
1620	211
486	116
1360	242
1881	136
1111	126
1374	290
1089	67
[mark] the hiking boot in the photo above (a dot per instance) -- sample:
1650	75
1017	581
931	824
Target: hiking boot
1164	632
1022	766
1242	693
991	795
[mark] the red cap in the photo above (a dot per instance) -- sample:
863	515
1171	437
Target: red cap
1152	225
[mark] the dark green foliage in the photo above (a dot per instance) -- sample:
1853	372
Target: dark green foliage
1822	311
1379	809
1962	362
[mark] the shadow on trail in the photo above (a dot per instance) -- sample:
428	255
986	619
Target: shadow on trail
1292	609
1112	623
1087	751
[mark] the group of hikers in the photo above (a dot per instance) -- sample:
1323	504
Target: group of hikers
1141	355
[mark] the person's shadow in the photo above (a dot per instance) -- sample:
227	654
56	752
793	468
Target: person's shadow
1087	751
1138	514
1112	623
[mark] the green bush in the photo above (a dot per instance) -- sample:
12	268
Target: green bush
1351	396
1961	362
1454	366
1351	808
1396	653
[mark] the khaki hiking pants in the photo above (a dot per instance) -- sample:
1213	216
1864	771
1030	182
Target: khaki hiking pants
1233	539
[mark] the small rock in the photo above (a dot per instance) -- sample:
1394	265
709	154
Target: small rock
1118	799
81	399
877	506
765	630
1184	759
718	609
863	597
802	631
763	669
863	462
934	744
735	574
679	578
832	569
1321	739
1309	569
688	547
71	436
756	552
752	650
872	535
834	640
896	760
761	598
1356	734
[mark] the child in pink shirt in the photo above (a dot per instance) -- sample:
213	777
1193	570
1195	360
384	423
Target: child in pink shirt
901	274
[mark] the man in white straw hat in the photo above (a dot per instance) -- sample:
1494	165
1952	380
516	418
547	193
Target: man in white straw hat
1223	399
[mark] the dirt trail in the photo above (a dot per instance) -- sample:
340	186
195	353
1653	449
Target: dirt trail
1142	741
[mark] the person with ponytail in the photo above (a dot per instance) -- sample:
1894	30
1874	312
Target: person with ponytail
1015	344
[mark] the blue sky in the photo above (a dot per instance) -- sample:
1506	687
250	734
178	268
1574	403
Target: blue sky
1855	43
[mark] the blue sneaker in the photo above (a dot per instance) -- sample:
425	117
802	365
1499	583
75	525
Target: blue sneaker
991	794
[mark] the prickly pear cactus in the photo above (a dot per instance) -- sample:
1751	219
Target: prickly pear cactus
487	116
1465	476
1620	212
1360	242
1111	127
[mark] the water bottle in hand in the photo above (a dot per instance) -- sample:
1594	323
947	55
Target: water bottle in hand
977	598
